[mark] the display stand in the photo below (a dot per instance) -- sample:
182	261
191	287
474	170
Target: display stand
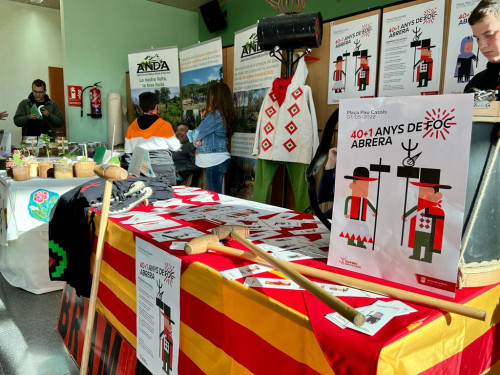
480	254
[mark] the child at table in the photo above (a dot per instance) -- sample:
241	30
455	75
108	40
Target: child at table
150	132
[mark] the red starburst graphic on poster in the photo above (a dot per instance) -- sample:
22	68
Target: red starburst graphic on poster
438	123
430	15
366	29
169	274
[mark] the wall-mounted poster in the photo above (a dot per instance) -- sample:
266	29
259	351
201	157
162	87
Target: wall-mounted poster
411	49
254	73
463	59
156	70
353	57
399	196
201	64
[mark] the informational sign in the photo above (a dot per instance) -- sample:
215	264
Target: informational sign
463	59
201	65
158	282
157	71
74	96
411	50
400	188
353	58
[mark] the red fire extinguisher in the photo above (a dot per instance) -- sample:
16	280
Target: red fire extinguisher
95	100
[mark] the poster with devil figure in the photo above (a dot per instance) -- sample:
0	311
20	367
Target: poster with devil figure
411	49
400	188
353	57
158	308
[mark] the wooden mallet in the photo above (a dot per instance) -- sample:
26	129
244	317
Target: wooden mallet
394	293
110	173
200	244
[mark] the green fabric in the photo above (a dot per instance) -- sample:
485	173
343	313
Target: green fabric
264	174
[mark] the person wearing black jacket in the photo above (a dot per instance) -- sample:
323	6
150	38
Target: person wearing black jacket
485	24
49	118
184	158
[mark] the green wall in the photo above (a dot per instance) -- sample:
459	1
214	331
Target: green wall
243	13
98	35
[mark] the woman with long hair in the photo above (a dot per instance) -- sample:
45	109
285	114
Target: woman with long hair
211	136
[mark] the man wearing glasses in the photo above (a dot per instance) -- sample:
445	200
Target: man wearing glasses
38	114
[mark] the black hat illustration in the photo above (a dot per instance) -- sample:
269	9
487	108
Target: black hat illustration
364	54
361	173
339	59
430	177
426	44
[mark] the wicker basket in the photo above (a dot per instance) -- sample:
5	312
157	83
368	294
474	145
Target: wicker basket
63	170
21	172
84	168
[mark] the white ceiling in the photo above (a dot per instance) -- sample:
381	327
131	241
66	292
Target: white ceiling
192	5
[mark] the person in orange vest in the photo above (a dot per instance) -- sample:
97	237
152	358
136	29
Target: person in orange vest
427	217
424	65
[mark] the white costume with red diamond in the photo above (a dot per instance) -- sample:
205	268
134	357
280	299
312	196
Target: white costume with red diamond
289	132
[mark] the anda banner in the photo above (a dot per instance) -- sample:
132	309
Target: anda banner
156	70
400	188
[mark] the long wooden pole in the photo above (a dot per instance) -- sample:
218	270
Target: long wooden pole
110	174
384	290
337	304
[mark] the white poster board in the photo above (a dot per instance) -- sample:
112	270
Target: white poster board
393	154
411	50
155	70
353	58
463	59
158	276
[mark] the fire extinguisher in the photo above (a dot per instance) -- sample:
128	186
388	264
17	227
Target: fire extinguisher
95	100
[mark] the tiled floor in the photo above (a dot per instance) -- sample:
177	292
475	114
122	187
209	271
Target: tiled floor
29	342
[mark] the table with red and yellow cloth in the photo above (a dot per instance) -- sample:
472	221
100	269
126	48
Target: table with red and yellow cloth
228	328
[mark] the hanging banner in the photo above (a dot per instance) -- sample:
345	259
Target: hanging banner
411	50
254	73
201	64
353	58
399	200
158	283
463	59
156	70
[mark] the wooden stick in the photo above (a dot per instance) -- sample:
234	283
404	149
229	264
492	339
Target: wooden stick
452	307
338	305
110	174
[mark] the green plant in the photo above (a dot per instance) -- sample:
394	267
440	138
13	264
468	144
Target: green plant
46	140
18	157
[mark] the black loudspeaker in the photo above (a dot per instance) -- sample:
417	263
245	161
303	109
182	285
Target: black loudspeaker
213	16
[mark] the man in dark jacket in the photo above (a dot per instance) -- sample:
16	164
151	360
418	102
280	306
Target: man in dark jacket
38	114
485	24
184	158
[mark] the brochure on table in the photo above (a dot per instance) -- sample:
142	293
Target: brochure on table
400	188
158	308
